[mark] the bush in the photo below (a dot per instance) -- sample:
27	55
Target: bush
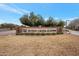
39	33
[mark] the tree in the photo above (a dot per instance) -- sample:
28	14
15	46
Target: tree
40	21
61	23
37	20
32	20
25	20
8	25
50	22
74	24
29	20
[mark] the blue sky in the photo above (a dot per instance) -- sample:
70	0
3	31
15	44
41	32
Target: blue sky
10	13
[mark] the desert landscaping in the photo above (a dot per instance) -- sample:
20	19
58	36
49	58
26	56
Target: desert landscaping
33	45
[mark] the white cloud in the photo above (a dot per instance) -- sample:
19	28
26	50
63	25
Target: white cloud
12	9
73	18
46	18
70	19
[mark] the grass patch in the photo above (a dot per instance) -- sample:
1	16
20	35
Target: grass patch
65	44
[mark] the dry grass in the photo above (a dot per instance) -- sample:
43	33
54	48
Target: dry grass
64	44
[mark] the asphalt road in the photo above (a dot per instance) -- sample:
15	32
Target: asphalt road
10	32
74	32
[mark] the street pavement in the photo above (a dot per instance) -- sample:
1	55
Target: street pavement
74	32
9	32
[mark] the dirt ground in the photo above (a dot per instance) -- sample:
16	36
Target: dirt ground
48	45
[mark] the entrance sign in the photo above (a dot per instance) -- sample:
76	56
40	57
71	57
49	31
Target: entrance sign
38	30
